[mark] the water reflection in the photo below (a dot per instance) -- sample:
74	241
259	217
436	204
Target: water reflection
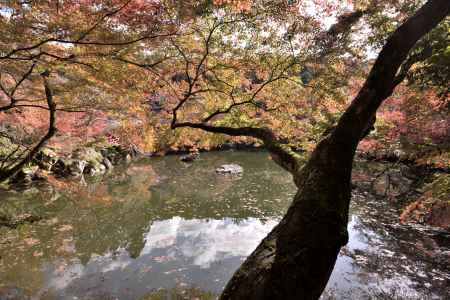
204	242
201	253
162	229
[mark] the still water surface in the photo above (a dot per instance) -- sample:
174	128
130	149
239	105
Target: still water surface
163	229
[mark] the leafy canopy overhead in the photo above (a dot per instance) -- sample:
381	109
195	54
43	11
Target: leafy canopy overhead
149	65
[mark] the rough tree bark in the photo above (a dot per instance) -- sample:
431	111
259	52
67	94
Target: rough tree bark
13	170
297	257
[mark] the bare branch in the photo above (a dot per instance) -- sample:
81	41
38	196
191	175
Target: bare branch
141	65
12	53
25	76
107	15
412	59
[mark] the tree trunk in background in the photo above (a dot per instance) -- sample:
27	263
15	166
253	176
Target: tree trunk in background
12	171
296	259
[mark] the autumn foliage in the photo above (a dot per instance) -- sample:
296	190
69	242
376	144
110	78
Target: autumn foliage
124	70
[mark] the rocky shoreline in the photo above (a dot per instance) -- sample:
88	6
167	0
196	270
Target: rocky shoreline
97	161
87	161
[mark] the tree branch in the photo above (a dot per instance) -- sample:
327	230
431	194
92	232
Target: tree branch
383	77
5	174
12	53
282	153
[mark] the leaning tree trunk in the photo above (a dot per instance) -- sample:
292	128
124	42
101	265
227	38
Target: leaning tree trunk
13	170
296	259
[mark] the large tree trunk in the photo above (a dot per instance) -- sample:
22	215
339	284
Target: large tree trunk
296	259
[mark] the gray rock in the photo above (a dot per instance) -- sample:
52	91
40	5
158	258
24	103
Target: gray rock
230	169
69	167
135	151
61	167
107	163
76	168
88	154
190	157
115	155
93	169
46	158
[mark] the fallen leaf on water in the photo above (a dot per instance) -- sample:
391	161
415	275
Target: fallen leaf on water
65	227
53	221
146	269
31	241
161	259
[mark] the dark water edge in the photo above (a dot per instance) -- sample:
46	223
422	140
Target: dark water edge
163	229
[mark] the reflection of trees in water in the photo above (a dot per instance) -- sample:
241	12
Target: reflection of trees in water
196	191
120	209
77	221
188	252
117	212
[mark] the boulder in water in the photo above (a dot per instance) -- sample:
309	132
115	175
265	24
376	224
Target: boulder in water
69	167
233	169
190	157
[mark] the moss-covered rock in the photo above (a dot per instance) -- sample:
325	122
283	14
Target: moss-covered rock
94	161
67	167
6	146
24	177
46	158
90	155
83	161
94	168
116	155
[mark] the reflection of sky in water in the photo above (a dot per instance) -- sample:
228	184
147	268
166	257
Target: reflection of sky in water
206	241
195	228
204	253
197	252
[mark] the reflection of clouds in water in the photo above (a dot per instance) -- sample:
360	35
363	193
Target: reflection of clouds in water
64	273
199	242
178	248
63	276
207	241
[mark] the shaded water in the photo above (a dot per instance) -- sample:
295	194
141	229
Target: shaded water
163	229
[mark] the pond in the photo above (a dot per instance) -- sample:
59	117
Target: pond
164	229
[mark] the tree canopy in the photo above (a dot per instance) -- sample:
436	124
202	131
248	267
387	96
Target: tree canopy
270	64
